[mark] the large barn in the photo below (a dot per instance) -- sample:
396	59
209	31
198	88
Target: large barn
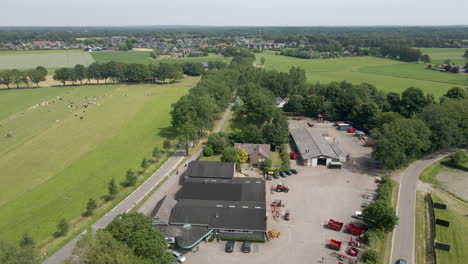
312	147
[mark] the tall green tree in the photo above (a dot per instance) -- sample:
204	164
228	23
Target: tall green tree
62	75
36	76
412	101
229	155
130	178
90	207
137	232
80	72
13	254
95	71
456	93
380	215
6	78
186	134
112	188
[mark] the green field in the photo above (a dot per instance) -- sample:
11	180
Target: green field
46	59
143	57
55	161
387	75
6	52
456	235
438	55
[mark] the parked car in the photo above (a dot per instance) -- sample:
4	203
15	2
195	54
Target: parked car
294	171
287	172
334	165
358	215
180	258
400	261
268	178
283	174
229	246
246	246
276	175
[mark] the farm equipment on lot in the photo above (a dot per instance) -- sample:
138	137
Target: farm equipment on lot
352	251
282	188
292	155
334	244
310	124
335	225
287	215
355	230
272	234
343	257
351	130
355	243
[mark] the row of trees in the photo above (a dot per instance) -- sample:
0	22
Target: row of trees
404	53
17	77
121	72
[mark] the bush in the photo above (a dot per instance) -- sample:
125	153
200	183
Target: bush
370	256
286	162
207	152
373	236
256	240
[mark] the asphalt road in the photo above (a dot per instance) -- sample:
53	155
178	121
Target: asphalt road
403	239
173	163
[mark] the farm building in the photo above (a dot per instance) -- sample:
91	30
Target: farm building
210	169
258	153
219	206
313	148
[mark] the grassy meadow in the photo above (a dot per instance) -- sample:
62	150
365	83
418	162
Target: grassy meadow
439	55
26	60
385	74
55	161
456	235
144	57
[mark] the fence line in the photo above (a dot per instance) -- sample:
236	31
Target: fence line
432	228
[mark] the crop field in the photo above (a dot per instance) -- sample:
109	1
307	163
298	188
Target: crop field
68	142
438	55
143	57
46	59
7	52
387	75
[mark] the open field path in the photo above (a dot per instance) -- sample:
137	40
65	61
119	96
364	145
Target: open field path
404	234
174	162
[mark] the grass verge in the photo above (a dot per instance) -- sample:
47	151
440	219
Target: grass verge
423	243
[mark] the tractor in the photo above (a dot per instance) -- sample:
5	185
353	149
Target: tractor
282	188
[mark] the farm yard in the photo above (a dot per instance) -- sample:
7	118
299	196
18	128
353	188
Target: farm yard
46	59
385	74
68	142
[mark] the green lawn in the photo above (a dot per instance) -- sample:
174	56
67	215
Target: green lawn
56	161
276	161
385	76
456	235
144	57
422	244
45	59
438	55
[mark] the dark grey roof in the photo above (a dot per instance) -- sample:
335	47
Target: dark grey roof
220	214
311	143
210	169
237	189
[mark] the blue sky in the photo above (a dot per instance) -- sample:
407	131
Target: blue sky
233	12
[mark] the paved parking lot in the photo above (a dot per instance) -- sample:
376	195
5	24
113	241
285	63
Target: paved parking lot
317	194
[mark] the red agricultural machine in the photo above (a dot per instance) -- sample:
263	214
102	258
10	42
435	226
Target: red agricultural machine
334	244
282	188
335	225
355	230
292	155
352	251
351	130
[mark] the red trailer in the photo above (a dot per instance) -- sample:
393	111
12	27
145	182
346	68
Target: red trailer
335	225
351	130
292	155
355	230
334	244
352	251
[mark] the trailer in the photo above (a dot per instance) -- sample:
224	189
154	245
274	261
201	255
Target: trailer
334	225
334	244
352	251
343	126
354	229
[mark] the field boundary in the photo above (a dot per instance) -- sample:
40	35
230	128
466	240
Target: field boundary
402	77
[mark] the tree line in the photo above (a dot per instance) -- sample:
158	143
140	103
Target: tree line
18	77
121	72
